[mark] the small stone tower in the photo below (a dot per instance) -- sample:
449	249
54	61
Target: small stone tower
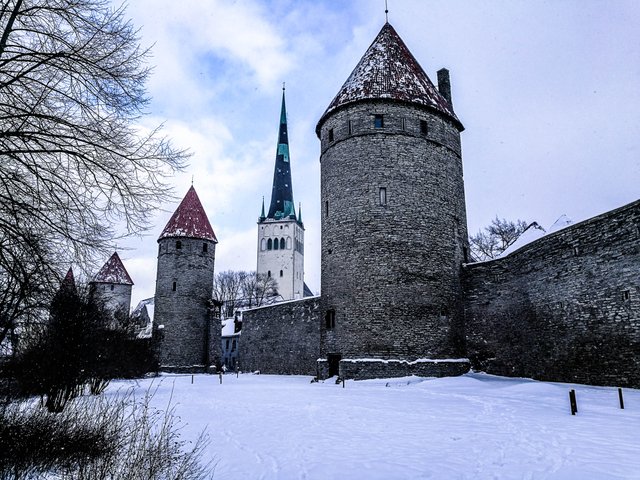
112	285
184	287
281	232
394	228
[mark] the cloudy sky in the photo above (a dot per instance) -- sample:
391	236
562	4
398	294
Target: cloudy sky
548	91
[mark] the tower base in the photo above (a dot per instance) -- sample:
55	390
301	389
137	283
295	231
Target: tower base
366	368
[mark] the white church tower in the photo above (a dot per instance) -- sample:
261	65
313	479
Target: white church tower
281	231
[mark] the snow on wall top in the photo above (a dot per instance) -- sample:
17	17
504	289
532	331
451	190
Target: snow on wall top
189	220
389	70
113	272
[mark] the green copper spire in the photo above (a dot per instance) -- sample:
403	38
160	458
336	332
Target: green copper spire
282	193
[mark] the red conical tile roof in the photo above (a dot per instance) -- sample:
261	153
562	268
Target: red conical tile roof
189	220
69	281
113	272
388	70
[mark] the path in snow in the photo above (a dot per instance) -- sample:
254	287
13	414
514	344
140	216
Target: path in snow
471	427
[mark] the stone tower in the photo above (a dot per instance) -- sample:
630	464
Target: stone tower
112	285
184	287
394	232
281	232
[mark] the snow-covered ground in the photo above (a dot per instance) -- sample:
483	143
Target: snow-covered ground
471	427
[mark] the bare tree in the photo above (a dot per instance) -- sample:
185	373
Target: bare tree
239	289
227	288
259	289
496	238
75	168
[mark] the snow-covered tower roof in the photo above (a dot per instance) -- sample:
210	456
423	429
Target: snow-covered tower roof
113	272
389	71
189	220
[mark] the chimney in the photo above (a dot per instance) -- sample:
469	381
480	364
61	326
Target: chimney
444	85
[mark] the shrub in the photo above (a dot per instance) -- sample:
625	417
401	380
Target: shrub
110	438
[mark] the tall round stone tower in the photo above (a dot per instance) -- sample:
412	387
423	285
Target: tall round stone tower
112	285
394	232
184	287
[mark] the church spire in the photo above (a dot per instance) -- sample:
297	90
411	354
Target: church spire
282	193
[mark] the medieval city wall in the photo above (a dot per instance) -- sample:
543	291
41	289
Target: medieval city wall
563	308
282	338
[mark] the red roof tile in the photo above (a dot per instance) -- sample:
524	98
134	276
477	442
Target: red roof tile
388	70
69	281
113	272
189	220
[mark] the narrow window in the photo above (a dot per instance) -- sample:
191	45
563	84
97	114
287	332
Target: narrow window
403	125
173	287
349	127
233	345
263	245
281	273
269	244
326	208
424	129
227	344
331	134
111	287
330	319
269	273
378	121
576	251
178	245
276	244
383	196
626	295
205	247
288	243
282	244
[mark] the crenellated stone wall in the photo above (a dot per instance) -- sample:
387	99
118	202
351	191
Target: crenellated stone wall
282	338
564	308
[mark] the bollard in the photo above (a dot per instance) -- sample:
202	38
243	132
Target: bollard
220	378
191	379
342	382
237	373
620	398
574	403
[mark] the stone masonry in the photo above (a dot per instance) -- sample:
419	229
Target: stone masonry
282	338
564	308
184	286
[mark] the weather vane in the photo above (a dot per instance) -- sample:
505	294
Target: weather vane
283	86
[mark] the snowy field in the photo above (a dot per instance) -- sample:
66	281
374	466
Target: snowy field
471	427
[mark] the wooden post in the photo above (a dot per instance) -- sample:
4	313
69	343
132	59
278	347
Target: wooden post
620	398
220	374
574	403
191	379
342	382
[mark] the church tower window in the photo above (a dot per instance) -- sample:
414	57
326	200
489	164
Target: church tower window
263	244
282	244
269	244
276	244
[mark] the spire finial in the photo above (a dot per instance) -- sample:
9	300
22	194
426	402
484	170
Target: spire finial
283	86
192	180
386	12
